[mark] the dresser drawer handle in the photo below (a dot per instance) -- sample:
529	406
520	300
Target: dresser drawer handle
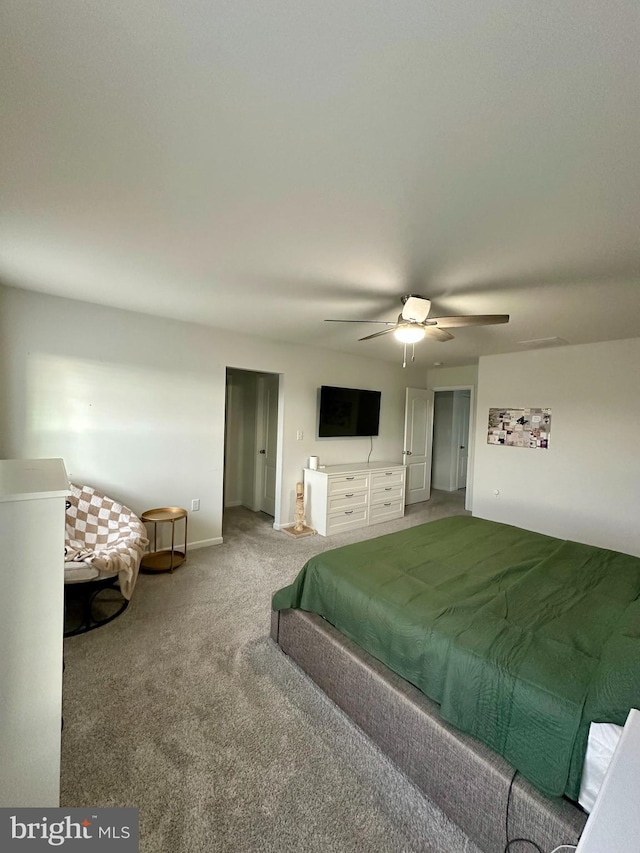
388	488
349	478
387	504
348	512
349	495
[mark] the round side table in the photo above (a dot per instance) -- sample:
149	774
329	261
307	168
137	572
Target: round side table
166	560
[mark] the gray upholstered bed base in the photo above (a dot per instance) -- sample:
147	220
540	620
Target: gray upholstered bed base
468	781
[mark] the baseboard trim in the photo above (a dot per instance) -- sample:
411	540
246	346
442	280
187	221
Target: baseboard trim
205	543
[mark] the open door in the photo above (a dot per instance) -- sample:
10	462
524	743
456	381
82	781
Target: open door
418	428
267	443
461	412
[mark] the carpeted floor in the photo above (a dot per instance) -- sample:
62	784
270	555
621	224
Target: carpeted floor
184	708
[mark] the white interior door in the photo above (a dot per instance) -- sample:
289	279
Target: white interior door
462	405
267	442
418	429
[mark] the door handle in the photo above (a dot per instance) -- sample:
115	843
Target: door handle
407	453
263	451
462	447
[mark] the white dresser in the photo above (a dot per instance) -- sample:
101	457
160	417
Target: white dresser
345	497
32	517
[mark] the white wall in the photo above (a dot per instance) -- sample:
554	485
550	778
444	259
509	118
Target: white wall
449	377
134	404
586	486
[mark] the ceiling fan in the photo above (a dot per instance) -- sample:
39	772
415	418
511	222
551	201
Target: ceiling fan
414	324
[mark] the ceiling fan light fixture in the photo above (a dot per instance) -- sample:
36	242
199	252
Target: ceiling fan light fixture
409	333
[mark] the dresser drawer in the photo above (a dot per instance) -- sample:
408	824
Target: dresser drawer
394	477
350	500
347	519
388	493
339	485
386	511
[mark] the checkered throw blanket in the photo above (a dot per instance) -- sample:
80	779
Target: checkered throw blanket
105	534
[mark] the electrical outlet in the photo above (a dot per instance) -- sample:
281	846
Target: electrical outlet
299	435
195	505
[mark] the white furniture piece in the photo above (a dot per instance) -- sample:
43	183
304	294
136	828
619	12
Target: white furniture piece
346	497
32	514
614	824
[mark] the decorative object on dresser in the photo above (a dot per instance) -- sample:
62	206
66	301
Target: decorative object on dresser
299	528
346	497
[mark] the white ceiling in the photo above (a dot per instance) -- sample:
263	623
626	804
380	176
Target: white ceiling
264	164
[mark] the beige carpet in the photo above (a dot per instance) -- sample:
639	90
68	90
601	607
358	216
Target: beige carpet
184	708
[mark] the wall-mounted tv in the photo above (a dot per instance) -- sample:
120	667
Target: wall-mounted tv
348	412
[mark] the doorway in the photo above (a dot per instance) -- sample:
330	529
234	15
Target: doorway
250	442
452	440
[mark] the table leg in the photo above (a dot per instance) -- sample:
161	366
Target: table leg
173	533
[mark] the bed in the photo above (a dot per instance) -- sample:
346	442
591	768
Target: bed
478	648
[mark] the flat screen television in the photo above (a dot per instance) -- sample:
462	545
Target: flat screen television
348	412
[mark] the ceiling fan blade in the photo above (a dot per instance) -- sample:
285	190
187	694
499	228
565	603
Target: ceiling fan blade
379	322
472	320
437	334
377	334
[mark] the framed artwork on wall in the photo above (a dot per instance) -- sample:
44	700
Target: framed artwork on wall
529	428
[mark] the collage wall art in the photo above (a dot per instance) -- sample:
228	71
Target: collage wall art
520	427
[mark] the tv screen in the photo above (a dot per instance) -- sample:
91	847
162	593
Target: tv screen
348	412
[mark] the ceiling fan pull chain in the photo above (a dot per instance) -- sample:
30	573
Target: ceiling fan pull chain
404	355
413	352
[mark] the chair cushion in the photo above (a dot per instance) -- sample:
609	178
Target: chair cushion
82	572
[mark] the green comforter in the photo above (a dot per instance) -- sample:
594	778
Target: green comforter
521	638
